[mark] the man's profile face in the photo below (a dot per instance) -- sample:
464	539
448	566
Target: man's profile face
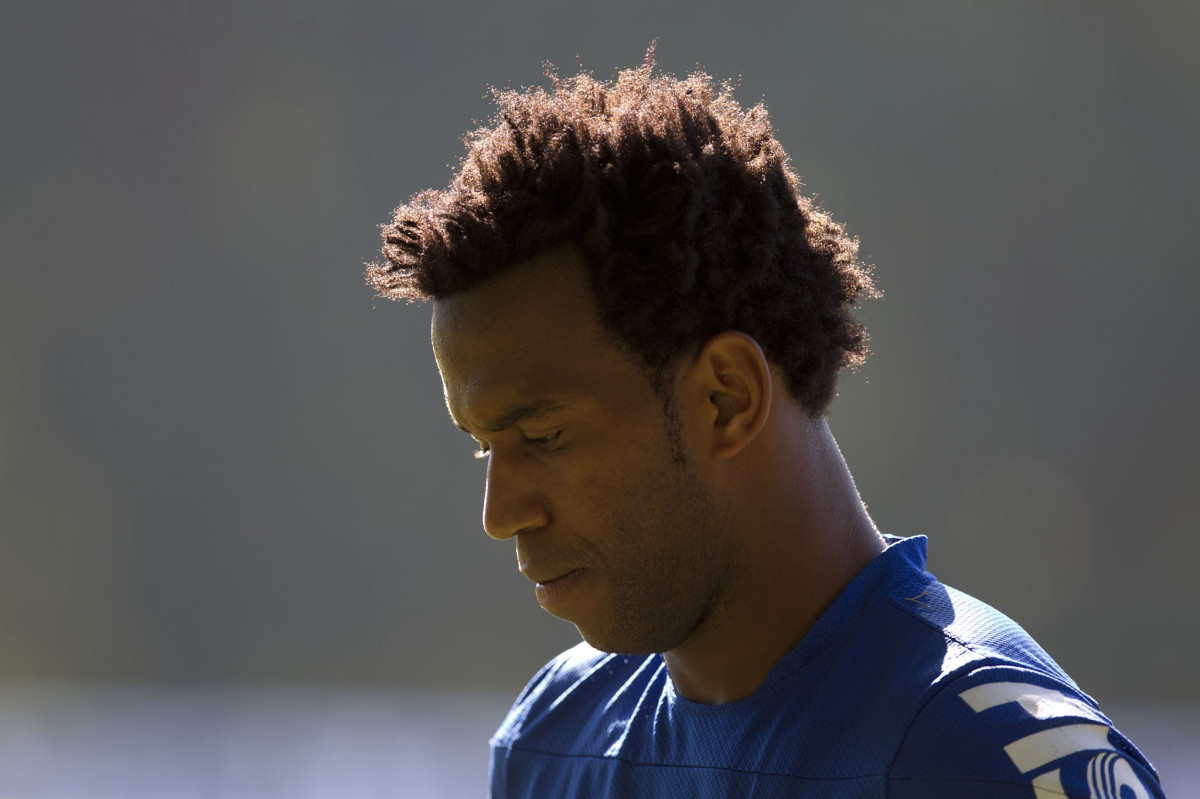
623	540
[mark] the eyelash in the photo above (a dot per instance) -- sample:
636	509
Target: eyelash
543	442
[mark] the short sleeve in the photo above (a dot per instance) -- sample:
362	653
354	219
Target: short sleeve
1003	732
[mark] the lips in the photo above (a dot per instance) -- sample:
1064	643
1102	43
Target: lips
554	592
562	576
544	567
545	576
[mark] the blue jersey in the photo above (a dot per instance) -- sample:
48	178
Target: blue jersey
903	688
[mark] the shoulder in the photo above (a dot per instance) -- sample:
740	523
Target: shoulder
997	731
996	715
902	616
972	632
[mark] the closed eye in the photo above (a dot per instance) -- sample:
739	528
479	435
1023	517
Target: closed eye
544	442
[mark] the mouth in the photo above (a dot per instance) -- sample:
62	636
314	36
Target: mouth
554	592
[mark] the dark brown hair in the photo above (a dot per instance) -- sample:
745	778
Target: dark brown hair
684	205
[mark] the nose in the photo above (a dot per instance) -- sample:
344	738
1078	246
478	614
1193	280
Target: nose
511	501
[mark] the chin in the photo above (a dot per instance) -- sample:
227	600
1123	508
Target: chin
617	644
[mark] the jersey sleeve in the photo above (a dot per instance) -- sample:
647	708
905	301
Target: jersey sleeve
1004	732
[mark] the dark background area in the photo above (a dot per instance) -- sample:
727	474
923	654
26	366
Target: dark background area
222	460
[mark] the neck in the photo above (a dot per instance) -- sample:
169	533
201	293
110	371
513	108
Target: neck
807	534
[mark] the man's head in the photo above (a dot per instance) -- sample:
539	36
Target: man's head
621	273
689	219
620	525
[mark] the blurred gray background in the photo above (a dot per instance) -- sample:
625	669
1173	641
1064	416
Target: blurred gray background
224	464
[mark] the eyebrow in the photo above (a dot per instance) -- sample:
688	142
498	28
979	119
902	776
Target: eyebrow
530	411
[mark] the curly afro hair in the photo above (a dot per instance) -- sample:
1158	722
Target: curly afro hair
684	205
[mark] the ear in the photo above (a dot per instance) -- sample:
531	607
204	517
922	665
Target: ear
735	377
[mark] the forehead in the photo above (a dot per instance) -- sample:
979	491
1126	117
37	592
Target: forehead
529	334
549	291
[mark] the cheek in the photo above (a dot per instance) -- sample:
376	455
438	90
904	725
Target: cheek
640	503
617	482
605	498
607	501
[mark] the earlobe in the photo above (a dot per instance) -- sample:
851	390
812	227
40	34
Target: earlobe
738	380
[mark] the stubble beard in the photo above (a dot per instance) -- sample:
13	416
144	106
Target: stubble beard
673	571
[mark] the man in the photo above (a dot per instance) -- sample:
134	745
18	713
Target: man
641	322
